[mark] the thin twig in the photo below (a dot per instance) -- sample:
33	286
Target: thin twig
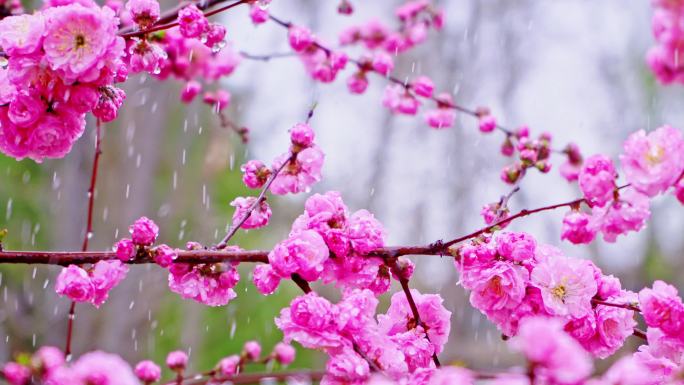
88	229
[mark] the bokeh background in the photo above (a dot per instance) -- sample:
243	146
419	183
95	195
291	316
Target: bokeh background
574	68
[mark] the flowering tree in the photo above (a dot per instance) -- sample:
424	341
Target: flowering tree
65	60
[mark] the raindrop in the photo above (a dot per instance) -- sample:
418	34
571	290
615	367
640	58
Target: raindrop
8	214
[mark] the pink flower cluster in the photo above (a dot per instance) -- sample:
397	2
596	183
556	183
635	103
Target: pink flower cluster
531	153
328	243
653	164
511	278
669	35
63	61
208	283
322	64
48	366
416	17
90	284
663	312
301	168
259	216
394	341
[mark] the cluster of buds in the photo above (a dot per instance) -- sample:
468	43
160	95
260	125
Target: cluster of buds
531	154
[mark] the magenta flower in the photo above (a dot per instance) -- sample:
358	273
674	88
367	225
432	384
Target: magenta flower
302	135
487	123
653	162
567	285
265	279
80	43
258	14
16	374
147	371
211	285
111	99
26	109
192	22
629	213
255	173
300	38
164	255
49	358
555	355
597	180
517	247
498	286
229	365
125	249
578	227
365	233
382	63
310	320
259	217
177	360
144	231
74	282
434	316
252	350
143	12
346	367
303	252
440	118
22	34
284	353
357	83
451	375
423	86
662	308
190	91
104	276
102	368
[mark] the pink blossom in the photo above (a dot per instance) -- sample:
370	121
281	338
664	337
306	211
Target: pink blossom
143	12
164	255
365	232
517	247
125	249
111	99
303	252
494	213
567	285
190	91
487	123
215	36
49	358
434	316
423	86
310	320
629	213
75	283
382	63
255	173
500	285
144	231
302	135
147	371
653	162
597	180
662	307
626	371
211	285
102	368
22	34
258	14
259	217
300	38
444	115
578	227
556	356
265	279
16	374
451	375
284	353
300	174
252	350
146	56
26	109
218	100
81	43
346	367
177	360
229	365
104	276
192	22
357	83
54	135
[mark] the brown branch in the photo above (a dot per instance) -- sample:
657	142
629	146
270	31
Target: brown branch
166	21
88	230
416	315
619	305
